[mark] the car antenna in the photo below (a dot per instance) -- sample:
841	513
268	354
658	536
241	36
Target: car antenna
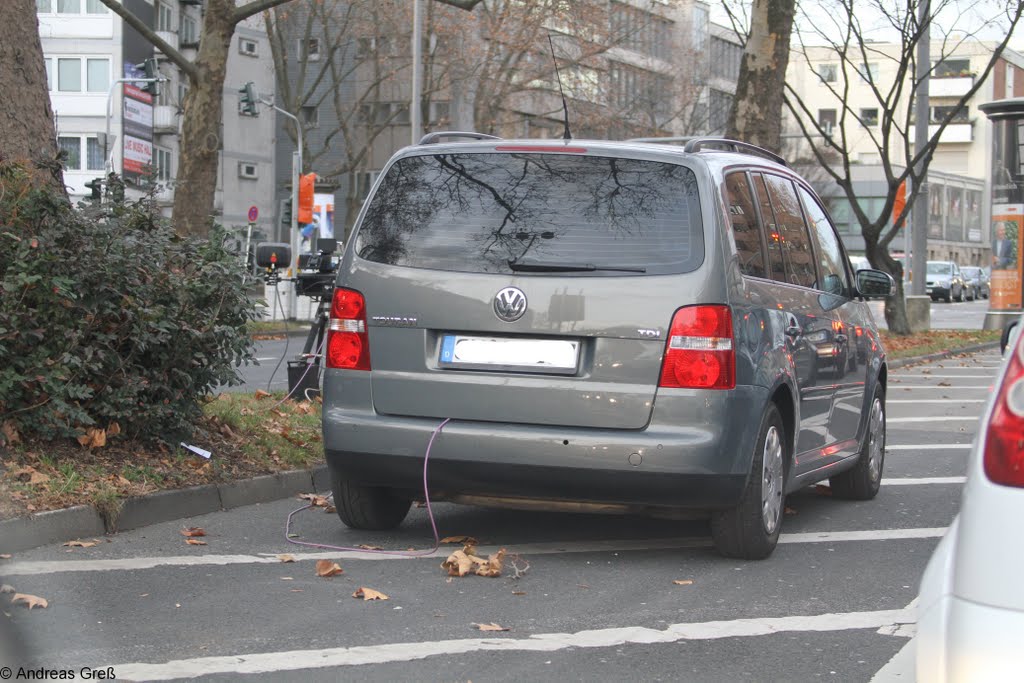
565	107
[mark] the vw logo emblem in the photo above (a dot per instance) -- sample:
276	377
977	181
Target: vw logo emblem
510	304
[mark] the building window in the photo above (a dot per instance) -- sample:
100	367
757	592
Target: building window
639	91
828	73
187	31
939	114
827	120
73	72
72	146
869	117
95	7
364	181
49	73
312	49
868	72
725	57
162	165
247	170
69	7
640	31
720	104
248	47
953	68
310	117
164	17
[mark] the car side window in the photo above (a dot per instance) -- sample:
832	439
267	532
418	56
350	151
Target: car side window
776	264
793	237
745	230
829	252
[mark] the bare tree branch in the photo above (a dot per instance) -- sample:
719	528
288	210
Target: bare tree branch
149	34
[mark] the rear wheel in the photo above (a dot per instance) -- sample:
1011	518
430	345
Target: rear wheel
863	480
751	529
372	508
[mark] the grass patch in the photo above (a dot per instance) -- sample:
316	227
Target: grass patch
934	341
247	436
259	328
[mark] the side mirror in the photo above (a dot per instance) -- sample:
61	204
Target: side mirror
875	284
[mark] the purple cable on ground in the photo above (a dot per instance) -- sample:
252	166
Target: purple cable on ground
403	553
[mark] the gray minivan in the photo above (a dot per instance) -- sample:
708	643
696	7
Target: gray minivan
593	325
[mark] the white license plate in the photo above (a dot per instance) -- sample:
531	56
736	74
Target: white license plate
559	356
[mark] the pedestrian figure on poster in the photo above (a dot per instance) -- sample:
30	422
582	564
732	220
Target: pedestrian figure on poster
1003	252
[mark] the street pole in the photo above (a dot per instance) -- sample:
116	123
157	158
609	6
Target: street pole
108	161
293	238
415	115
922	113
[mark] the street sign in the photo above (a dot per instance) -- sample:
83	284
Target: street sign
254	213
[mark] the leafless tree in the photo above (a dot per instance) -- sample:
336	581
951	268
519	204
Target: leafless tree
848	37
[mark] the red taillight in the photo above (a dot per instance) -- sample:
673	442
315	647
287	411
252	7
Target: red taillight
348	345
1004	439
699	353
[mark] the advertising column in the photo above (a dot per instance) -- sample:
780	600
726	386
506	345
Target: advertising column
138	130
1007	182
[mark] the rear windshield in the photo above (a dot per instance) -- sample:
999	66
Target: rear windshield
533	214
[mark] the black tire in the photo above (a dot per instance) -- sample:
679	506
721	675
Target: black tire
743	532
862	481
370	508
960	297
949	297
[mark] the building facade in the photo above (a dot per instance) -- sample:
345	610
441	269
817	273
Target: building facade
87	49
958	205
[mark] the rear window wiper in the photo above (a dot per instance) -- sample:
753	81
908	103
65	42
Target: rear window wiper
521	267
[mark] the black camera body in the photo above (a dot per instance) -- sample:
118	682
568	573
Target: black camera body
275	255
319	282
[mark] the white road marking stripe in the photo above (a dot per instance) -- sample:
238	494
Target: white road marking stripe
929	447
263	359
911	481
929	375
39	567
935	400
944	418
898	385
296	660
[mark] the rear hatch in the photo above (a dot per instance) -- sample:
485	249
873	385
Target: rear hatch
523	287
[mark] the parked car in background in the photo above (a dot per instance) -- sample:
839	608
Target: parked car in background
944	281
970	623
600	326
975	283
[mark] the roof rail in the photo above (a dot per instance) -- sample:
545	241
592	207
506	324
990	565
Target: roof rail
665	140
697	144
432	138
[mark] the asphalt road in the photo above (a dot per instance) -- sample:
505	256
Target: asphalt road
968	315
597	602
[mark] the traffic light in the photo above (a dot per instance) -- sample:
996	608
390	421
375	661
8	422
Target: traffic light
96	186
286	212
150	70
247	104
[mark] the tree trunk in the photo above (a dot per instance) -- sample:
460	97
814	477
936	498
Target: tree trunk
201	126
756	115
26	117
895	306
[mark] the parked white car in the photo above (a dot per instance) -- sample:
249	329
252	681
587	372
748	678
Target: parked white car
971	601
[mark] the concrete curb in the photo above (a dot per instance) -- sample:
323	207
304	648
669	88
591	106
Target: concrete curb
57	526
940	355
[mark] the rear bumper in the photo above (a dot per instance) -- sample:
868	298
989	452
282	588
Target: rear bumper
695	453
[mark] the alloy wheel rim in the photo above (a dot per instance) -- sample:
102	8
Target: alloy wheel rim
771	484
876	441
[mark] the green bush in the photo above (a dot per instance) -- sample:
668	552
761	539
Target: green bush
107	316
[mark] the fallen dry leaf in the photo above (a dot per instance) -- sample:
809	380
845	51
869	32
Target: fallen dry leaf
113	428
369	594
260	394
518	592
30	601
38	478
286	558
193	531
122	481
315	500
10	432
823	490
6	588
81	544
194	541
465	540
327	568
789	511
492	566
490	627
945	384
683	582
93	438
5	556
458	564
370	547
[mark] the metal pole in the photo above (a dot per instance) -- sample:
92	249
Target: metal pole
922	113
293	238
108	163
415	115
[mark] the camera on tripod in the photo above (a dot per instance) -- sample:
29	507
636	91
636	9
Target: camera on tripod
318	280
